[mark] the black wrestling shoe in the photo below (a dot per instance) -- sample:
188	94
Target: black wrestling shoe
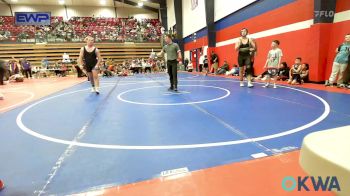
171	88
175	89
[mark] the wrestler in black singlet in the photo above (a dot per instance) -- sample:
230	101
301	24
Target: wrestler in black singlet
244	57
90	59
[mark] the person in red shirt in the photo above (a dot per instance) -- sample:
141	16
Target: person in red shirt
2	185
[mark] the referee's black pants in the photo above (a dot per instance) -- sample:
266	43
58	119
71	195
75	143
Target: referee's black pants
172	71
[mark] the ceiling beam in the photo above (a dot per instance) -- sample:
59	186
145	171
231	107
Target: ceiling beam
136	5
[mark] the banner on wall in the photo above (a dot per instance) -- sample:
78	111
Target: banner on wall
33	18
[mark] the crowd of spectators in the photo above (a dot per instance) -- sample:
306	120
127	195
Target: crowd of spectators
77	28
132	66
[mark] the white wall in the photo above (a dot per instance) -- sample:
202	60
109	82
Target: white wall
55	10
135	12
89	11
171	13
80	11
226	7
193	20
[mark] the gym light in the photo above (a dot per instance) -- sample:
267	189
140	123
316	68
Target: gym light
140	4
103	2
61	2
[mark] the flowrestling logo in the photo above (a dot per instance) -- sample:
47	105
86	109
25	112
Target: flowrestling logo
33	18
324	13
311	183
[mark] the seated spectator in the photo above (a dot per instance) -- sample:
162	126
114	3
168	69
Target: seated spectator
124	72
234	71
64	70
105	69
35	71
155	68
294	74
65	58
262	76
223	69
190	67
80	72
283	72
304	75
162	65
45	63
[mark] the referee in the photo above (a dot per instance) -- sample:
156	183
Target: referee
173	55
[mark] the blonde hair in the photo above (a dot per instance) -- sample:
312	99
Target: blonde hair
87	38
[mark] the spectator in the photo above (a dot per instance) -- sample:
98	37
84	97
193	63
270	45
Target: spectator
80	72
214	62
283	72
223	69
163	65
186	63
45	63
262	76
201	61
273	61
65	58
35	71
340	63
234	71
14	66
304	75
26	68
294	74
190	67
206	65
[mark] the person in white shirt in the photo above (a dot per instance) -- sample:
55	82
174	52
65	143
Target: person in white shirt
201	62
272	63
65	57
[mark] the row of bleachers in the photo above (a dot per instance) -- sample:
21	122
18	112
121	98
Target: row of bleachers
53	52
